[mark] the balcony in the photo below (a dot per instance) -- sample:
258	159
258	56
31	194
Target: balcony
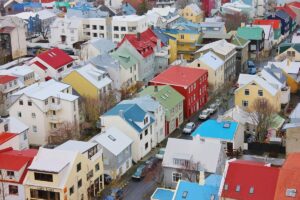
53	106
54	119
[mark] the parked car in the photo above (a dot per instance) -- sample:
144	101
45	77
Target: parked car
139	173
115	194
189	128
212	108
107	179
160	154
218	102
204	114
151	162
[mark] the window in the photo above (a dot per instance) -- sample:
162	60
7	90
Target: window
141	136
146	132
78	167
33	115
245	103
116	36
10	173
53	100
176	176
116	28
21	102
198	64
226	187
43	177
46	101
19	114
123	28
89	175
251	191
25	136
101	27
79	183
146	146
238	188
95	34
53	112
13	189
247	92
34	128
94	27
71	190
260	93
181	36
290	192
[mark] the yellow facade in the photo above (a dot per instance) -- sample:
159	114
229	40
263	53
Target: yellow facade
189	14
81	85
62	192
240	96
292	83
172	50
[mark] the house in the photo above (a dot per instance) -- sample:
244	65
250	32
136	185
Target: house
248	180
185	159
172	103
161	17
135	122
96	47
51	105
226	51
292	15
284	20
256	36
276	25
127	9
13	133
89	81
12	38
116	145
127	24
242	53
164	3
215	67
14	165
149	50
72	170
269	37
287	185
54	63
288	51
25	75
237	8
190	82
229	132
295	6
252	87
157	112
8	85
192	13
207	189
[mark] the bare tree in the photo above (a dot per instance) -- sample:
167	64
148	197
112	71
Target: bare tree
107	101
129	91
65	131
189	171
234	21
3	195
263	115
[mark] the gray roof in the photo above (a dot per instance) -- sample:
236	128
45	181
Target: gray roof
103	45
145	102
73	145
277	73
104	61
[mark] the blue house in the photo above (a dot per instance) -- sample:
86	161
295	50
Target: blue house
185	190
284	19
127	9
224	131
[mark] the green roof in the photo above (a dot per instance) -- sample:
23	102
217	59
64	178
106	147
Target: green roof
238	41
250	33
62	4
125	58
277	122
285	46
165	95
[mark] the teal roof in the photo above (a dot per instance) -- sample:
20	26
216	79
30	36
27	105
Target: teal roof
250	33
163	194
224	130
125	58
285	46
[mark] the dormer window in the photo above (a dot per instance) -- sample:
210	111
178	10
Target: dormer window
10	173
146	120
290	192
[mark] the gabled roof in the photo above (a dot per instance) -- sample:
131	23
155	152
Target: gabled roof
274	22
274	75
211	60
6	79
179	76
295	4
134	3
285	46
145	102
128	9
288	67
74	145
125	57
195	8
4	137
56	58
238	41
250	33
224	130
289	177
289	11
250	180
144	44
221	46
282	14
113	139
102	44
163	36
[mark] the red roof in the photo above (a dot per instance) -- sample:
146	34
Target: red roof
289	177
247	175
179	76
288	10
145	44
40	65
295	4
4	137
6	78
274	22
56	58
134	3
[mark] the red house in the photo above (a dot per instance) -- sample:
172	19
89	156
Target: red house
189	82
249	180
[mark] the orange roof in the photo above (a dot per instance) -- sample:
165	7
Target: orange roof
274	22
289	177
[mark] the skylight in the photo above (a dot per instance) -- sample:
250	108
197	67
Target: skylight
291	192
184	194
111	137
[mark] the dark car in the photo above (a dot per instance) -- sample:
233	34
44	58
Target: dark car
115	194
107	179
139	173
151	162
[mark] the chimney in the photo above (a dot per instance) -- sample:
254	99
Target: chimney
201	178
138	36
155	88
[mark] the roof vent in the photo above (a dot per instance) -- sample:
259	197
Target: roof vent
112	138
184	194
290	192
226	125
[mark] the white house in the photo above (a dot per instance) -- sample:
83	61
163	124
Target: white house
96	47
45	107
54	63
135	123
127	24
155	109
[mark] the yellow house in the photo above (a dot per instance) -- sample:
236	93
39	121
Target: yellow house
89	81
292	53
192	13
73	170
247	93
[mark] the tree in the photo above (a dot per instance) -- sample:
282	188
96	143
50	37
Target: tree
263	115
129	91
143	8
234	21
65	131
3	189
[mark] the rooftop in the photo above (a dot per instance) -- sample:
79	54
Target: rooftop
211	60
221	47
4	137
250	33
6	79
274	22
79	146
163	194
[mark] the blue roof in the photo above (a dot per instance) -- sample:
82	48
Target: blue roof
213	180
213	129
162	36
131	112
127	9
163	194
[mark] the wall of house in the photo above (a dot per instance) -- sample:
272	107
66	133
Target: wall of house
168	176
19	196
292	140
239	136
18	42
172	50
292	83
189	15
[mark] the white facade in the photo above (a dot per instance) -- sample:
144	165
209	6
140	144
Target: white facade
115	4
44	107
129	24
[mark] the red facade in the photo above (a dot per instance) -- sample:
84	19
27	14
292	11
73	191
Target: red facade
207	6
190	82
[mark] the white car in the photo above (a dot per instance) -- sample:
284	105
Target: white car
160	154
212	108
204	114
189	127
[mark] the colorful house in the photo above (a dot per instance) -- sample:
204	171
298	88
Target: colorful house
292	15
284	19
242	53
192	83
192	13
275	24
171	101
249	180
295	6
288	50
